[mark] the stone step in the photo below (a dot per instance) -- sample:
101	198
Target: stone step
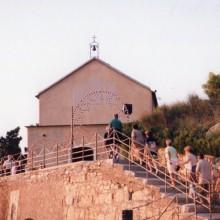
149	174
190	207
200	216
138	168
188	216
133	167
181	198
187	207
170	189
207	216
154	181
144	174
121	161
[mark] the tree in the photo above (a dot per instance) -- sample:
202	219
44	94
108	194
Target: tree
212	88
10	143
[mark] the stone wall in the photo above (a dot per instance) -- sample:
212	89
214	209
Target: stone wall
80	191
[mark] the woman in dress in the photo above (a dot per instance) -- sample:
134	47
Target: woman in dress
189	163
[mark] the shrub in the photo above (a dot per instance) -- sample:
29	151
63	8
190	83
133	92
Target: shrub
186	123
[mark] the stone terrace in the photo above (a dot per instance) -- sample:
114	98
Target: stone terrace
82	191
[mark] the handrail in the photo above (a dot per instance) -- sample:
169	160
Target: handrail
165	209
157	215
148	203
151	202
187	182
143	154
119	139
59	156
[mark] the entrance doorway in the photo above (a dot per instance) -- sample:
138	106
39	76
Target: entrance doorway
82	153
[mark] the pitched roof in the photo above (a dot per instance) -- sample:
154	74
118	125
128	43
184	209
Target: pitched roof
89	61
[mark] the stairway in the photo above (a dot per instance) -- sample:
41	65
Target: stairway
186	205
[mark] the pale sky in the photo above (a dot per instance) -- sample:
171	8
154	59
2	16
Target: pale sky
169	45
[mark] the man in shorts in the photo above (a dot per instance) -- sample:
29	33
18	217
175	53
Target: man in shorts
171	160
203	171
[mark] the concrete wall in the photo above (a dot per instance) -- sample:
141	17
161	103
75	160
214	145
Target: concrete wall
50	136
80	191
108	92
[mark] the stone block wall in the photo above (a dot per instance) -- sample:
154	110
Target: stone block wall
79	191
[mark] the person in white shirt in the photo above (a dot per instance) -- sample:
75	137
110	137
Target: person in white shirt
7	165
203	171
189	163
15	167
171	160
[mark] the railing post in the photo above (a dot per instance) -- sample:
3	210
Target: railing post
165	180
146	162
178	209
32	160
210	202
96	146
44	157
114	148
129	154
194	200
57	154
83	143
186	185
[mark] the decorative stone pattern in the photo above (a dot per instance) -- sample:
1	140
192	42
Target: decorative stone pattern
81	191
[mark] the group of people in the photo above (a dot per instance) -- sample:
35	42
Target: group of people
196	169
11	166
144	150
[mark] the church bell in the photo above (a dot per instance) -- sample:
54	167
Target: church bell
94	48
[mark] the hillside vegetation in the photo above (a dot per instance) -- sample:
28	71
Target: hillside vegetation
187	122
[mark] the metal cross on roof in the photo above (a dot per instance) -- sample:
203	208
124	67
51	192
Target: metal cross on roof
94	38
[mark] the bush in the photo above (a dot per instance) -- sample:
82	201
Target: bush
186	123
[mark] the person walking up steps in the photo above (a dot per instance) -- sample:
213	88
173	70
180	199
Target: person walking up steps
203	171
116	125
108	141
189	163
150	151
137	145
171	160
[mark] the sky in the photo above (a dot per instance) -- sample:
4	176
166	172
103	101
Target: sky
169	45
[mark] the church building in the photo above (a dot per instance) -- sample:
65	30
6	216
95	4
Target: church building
84	101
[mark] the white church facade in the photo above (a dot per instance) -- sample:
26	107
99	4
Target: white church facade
84	101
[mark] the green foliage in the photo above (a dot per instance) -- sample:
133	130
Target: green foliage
186	123
212	88
10	143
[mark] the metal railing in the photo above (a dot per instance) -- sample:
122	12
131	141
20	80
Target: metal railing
158	216
166	208
18	163
202	195
120	144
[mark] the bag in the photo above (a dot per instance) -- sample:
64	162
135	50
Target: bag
177	168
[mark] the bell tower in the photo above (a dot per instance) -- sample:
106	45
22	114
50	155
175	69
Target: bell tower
94	48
